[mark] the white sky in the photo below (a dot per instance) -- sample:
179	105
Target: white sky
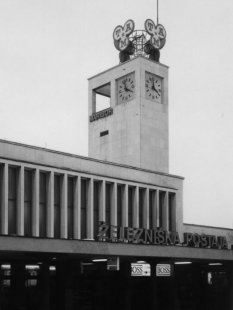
48	49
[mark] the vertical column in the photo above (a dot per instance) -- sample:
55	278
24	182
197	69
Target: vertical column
146	208
154	206
125	201
172	210
50	205
64	218
102	206
35	204
4	200
90	209
20	201
77	208
158	209
136	207
165	212
113	206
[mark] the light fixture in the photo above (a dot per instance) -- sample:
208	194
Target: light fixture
86	264
32	267
99	260
5	266
215	264
183	263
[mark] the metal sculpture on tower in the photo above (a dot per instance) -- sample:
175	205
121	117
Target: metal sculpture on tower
122	41
157	39
132	43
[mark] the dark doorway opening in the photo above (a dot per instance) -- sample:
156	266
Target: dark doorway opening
82	284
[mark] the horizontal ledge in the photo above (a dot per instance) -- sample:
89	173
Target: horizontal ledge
13	244
69	155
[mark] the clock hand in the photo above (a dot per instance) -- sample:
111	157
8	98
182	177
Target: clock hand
128	89
154	88
124	82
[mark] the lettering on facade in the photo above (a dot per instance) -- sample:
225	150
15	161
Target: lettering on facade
110	233
101	114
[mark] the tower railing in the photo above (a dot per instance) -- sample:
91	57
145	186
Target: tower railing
139	38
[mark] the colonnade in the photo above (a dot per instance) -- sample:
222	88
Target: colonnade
42	201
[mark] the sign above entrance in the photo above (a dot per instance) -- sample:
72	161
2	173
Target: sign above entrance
163	270
113	263
140	270
159	237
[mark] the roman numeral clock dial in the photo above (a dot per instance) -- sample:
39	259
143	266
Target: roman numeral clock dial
125	88
153	87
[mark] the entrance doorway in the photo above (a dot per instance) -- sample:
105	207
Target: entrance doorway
80	284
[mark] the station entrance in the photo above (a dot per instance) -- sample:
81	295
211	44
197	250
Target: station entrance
86	284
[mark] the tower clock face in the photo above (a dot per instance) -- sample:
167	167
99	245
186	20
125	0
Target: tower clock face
126	88
153	87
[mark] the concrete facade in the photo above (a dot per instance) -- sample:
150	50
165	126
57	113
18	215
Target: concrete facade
146	187
101	179
137	129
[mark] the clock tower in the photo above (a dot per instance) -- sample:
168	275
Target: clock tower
133	128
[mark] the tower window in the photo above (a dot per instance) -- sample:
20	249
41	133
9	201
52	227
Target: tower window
102	97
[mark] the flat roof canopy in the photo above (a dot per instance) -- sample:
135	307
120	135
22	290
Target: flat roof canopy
11	244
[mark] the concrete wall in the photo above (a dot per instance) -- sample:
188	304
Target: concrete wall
91	172
23	157
138	129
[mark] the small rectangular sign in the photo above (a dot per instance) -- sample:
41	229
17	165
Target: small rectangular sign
163	270
140	270
113	263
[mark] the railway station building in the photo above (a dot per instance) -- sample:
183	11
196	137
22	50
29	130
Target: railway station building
106	231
